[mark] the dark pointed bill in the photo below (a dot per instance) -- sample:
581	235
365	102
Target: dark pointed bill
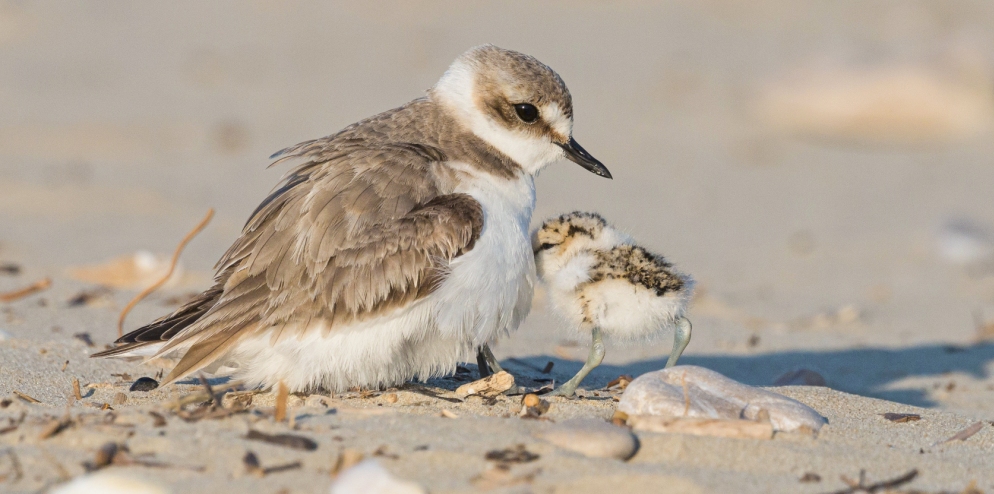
580	156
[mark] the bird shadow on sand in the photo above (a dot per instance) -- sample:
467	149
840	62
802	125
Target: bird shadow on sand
873	372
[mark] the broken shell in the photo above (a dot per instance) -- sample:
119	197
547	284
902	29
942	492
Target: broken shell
488	386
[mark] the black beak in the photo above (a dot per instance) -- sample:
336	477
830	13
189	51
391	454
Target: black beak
580	156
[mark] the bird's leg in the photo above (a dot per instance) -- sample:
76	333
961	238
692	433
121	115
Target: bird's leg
481	362
594	359
681	338
490	363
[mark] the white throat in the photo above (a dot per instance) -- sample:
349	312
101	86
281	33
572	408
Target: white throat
456	92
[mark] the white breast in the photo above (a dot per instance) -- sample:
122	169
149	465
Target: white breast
489	289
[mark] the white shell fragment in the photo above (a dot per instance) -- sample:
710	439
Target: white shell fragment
691	391
488	386
369	477
108	483
592	438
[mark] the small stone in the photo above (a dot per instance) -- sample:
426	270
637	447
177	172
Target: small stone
533	407
120	398
390	398
592	438
369	477
801	377
144	384
696	392
311	401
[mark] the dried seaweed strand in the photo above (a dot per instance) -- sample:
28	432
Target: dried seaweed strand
28	290
162	281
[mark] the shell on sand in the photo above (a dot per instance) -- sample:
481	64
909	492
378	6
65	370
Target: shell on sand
696	392
108	483
369	477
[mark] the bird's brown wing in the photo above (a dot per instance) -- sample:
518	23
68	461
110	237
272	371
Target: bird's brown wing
356	230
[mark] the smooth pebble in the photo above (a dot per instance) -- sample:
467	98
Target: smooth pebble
369	477
591	437
691	391
144	384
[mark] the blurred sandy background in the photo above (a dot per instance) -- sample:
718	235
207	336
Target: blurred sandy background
823	168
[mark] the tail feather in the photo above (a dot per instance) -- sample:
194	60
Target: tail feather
205	352
153	335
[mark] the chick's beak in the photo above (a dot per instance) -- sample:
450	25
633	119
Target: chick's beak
580	156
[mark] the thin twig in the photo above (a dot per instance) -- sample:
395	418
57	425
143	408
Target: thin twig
26	397
28	290
281	399
861	486
172	267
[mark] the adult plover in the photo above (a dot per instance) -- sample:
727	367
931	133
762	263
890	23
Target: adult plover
398	246
604	284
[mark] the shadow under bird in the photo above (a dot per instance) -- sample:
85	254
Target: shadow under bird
394	248
604	284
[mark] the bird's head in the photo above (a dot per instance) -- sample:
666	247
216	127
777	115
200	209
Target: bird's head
516	104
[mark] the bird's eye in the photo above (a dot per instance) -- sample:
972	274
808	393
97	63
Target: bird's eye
546	246
526	112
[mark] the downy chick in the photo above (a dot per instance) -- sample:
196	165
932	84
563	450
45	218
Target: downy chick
601	282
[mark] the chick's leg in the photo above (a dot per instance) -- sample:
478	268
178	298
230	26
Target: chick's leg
594	359
681	338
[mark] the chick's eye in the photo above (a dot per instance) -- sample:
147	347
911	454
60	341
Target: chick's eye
526	112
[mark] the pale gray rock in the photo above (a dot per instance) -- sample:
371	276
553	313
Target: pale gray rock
593	438
691	391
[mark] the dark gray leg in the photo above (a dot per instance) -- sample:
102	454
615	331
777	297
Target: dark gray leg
491	364
481	362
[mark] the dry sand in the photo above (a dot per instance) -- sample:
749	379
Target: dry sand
807	206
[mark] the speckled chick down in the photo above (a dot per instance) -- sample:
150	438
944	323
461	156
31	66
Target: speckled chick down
597	276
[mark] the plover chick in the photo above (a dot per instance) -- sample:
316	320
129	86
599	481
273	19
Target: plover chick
604	284
395	249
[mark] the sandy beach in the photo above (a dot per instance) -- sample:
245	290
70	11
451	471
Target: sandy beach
822	169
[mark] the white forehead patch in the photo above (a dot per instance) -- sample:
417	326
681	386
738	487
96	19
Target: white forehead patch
559	122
